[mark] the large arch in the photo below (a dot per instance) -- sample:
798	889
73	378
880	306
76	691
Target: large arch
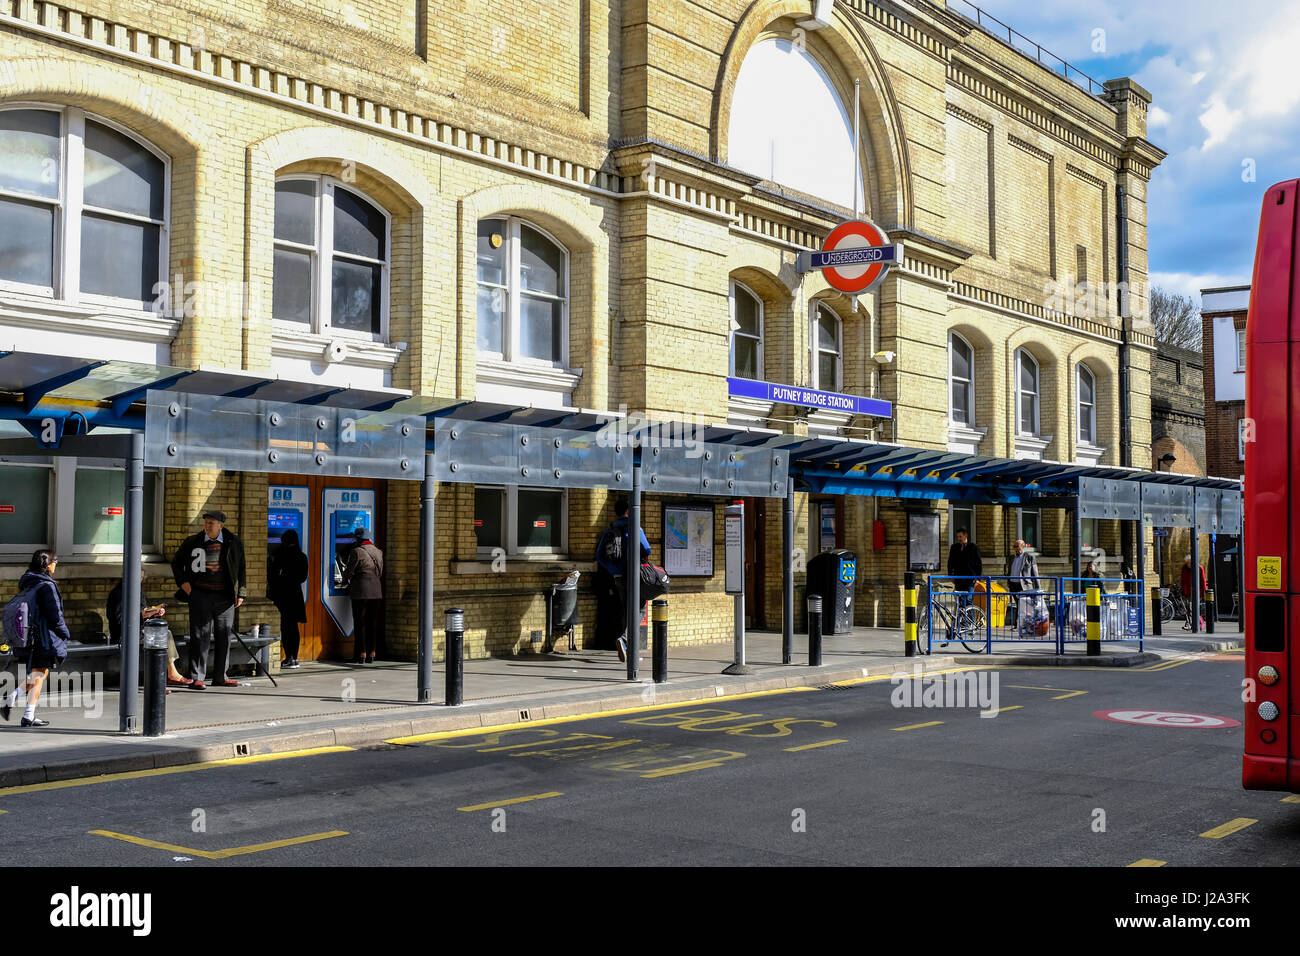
848	53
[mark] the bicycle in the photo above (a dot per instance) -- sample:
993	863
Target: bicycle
967	626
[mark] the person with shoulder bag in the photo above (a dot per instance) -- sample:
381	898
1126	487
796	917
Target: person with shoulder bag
363	580
47	647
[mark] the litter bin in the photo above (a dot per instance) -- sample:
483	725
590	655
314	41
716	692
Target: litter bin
562	599
831	574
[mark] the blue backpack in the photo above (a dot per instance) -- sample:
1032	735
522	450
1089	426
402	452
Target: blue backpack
22	619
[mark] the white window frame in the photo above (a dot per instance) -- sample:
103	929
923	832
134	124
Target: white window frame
815	351
1241	441
510	520
954	337
1037	392
1095	528
954	524
70	204
60	519
322	260
513	297
1037	515
1241	349
1091	437
735	328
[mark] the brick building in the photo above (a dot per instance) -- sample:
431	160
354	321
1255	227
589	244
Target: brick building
566	204
1177	429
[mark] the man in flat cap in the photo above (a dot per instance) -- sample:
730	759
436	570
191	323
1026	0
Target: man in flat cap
209	571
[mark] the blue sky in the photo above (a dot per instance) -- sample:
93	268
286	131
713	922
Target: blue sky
1225	85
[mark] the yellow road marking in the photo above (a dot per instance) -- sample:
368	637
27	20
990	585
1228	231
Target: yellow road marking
163	771
1068	692
1002	709
1145	862
219	854
931	723
506	803
1294	798
823	743
1229	828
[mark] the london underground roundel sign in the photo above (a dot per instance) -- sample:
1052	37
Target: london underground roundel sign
855	256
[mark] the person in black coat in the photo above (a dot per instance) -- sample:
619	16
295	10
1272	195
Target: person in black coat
285	571
49	645
964	559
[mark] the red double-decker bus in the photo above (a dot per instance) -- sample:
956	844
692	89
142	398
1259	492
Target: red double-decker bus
1272	500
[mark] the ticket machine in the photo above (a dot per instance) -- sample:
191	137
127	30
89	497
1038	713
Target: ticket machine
286	509
343	511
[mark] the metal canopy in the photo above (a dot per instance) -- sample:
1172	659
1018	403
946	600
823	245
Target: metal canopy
507	453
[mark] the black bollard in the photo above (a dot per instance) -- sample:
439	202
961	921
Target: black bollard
154	638
455	631
1156	598
1210	611
659	623
814	630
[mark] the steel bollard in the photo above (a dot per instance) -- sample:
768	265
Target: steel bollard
909	614
1209	612
455	630
1156	598
814	630
1094	622
659	626
154	639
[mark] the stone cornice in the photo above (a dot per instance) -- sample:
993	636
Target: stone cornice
964	291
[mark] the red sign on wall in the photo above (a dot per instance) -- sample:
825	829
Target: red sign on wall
6	509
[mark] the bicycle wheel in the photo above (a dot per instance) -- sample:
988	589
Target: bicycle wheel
1166	610
971	629
922	618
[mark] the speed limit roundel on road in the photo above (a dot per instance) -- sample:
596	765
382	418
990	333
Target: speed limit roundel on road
854	256
1166	718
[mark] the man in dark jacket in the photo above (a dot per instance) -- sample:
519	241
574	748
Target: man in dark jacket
611	580
363	578
210	575
964	560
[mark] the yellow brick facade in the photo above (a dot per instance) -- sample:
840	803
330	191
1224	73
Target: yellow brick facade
607	126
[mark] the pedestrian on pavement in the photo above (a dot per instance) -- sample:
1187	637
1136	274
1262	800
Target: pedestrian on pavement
363	580
210	575
117	624
1022	574
49	645
611	578
286	570
1193	602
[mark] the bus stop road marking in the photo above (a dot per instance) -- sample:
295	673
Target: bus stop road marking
1063	696
219	854
163	771
1229	828
1146	862
821	743
1294	798
512	800
928	723
1003	710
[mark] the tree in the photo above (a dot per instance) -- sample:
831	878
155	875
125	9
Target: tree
1176	319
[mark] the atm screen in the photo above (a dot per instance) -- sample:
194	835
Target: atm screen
280	521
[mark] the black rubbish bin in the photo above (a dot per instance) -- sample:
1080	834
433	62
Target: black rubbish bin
563	601
831	574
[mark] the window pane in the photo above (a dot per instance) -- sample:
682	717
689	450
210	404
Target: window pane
295	211
358	226
1085	423
1089	533
541	263
27	491
492	251
539	519
746	356
961	402
491	308
826	331
29	152
487	516
26	242
746	312
121	174
1085	386
1028	406
119	258
97	489
827	368
539	329
357	291
1028	373
1029	528
960	360
291	290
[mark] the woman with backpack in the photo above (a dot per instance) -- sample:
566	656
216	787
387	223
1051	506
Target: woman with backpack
48	644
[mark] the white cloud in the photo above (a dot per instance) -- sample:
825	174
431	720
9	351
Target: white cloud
1188	283
1219	122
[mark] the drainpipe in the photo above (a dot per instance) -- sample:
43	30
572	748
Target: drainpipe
1126	432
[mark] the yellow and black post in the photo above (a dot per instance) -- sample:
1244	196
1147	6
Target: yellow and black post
659	629
1210	610
1094	621
909	614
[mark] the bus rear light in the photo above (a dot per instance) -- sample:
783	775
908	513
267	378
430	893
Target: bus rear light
1268	710
1268	675
1269	736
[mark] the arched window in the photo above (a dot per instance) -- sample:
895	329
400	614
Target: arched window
961	380
331	258
523	293
746	333
83	208
810	148
827	350
1027	393
1087	406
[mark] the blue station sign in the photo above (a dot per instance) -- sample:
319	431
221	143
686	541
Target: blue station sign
808	397
861	255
